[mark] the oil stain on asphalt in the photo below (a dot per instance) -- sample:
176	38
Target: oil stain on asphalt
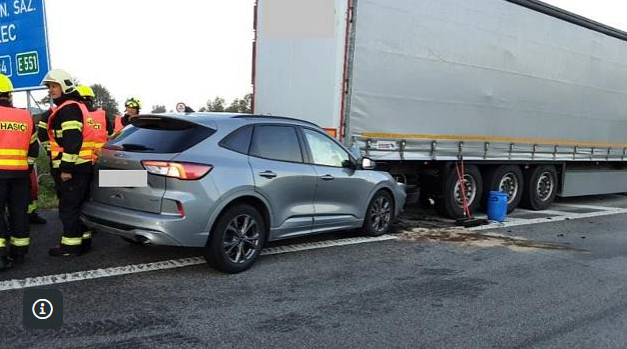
470	238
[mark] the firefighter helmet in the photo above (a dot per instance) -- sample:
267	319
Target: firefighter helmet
133	102
85	91
5	84
62	78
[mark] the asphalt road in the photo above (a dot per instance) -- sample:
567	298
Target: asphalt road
551	280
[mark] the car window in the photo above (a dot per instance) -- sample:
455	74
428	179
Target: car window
239	140
324	151
276	143
160	136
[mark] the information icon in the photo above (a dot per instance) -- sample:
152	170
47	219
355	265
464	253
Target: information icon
42	309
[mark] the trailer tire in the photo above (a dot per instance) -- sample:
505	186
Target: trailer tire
540	187
449	202
507	178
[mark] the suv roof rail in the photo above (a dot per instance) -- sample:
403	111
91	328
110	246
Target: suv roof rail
246	116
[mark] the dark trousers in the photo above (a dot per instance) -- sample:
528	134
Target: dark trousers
15	195
72	194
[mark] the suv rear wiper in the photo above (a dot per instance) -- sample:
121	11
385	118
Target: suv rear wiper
130	146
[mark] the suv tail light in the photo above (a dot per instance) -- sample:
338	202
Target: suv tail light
180	170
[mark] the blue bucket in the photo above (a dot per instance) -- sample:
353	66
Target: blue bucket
497	206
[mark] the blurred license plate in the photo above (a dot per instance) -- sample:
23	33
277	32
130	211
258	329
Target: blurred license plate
122	178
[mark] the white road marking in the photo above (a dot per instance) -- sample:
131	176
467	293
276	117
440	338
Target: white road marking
548	212
591	207
16	284
570	216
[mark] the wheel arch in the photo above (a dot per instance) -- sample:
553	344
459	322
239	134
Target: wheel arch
251	199
375	190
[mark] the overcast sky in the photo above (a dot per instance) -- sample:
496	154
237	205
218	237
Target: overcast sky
187	51
163	52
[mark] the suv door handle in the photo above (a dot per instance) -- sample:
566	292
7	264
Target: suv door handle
327	178
267	174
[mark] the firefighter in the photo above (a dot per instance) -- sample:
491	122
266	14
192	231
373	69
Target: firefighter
18	151
133	105
72	153
99	120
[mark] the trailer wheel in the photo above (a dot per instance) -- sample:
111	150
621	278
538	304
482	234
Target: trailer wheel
541	187
450	203
507	179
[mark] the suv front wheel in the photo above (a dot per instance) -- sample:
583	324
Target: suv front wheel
380	214
236	240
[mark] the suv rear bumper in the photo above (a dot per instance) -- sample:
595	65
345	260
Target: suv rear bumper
144	227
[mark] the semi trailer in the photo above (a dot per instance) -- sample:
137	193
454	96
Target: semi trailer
530	98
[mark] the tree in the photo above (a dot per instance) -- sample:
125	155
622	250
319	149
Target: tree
245	104
240	105
105	101
233	107
158	108
217	105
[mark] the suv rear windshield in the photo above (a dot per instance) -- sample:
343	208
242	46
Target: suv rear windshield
160	135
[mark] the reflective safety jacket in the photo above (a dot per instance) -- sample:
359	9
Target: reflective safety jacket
118	124
98	120
86	153
16	136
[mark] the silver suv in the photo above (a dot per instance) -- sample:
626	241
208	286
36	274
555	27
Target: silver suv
231	182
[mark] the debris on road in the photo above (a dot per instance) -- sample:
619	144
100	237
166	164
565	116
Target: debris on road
470	238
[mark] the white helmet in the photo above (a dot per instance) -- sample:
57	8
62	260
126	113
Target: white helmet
62	78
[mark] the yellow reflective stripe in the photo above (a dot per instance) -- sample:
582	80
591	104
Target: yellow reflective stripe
56	163
31	160
58	133
69	157
20	242
71	125
71	241
82	161
33	138
42	124
87	235
13	162
13	152
3	242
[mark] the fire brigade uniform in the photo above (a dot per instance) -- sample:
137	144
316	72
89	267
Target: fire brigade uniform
97	117
72	142
117	124
18	151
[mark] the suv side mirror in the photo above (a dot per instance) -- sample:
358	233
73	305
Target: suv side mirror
368	164
349	164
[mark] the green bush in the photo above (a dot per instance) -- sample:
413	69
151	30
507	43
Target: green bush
47	194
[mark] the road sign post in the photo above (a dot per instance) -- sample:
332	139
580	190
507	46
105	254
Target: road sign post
24	42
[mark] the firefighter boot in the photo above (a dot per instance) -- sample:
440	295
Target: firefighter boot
64	251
